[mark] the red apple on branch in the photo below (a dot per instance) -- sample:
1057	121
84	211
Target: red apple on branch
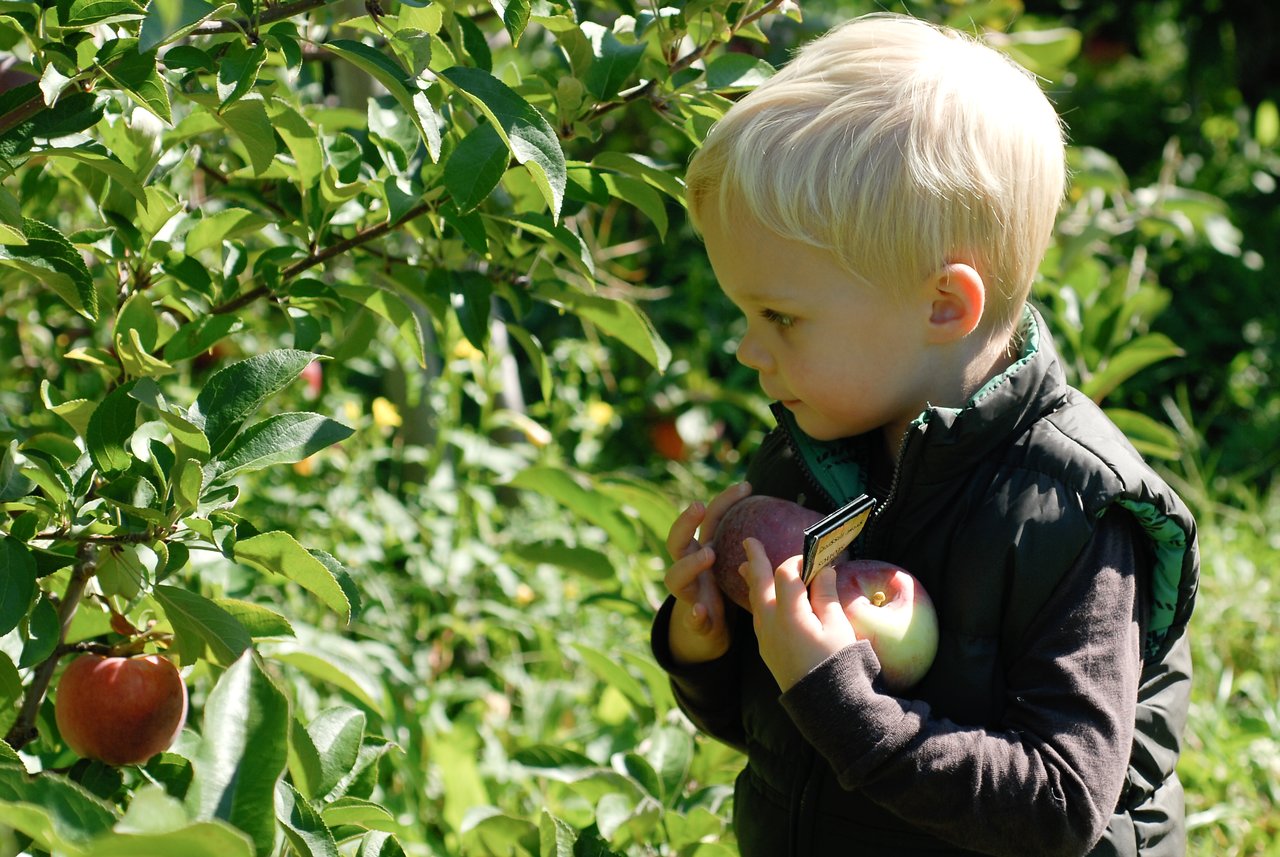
119	710
884	603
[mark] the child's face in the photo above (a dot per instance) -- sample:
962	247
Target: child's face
845	358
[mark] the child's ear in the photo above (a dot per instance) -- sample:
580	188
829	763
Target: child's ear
957	298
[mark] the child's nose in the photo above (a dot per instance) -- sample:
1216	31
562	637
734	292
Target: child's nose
752	354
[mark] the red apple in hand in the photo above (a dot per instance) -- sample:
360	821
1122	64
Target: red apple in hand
885	604
121	711
778	525
889	608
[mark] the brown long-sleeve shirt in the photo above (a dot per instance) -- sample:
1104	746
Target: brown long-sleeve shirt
1045	782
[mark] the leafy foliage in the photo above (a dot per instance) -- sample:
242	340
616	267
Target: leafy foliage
356	357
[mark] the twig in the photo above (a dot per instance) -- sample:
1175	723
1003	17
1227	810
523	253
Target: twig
321	256
24	729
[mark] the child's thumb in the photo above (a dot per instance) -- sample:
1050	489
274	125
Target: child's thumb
824	595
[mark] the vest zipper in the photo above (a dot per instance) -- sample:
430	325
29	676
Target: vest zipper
877	515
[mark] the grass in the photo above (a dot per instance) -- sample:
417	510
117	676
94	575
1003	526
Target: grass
1231	763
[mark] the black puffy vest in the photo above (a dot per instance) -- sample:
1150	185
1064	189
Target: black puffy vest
990	505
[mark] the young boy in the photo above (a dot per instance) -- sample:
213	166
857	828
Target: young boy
878	210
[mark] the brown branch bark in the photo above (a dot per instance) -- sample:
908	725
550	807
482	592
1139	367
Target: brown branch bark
363	237
24	730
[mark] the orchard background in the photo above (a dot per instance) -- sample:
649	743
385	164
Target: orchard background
358	358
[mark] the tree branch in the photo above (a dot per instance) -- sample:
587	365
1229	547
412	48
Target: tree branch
363	237
24	729
270	16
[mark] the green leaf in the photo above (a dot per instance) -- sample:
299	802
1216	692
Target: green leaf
17	582
556	836
222	226
280	553
170	20
379	843
300	138
238	71
326	750
196	337
392	308
81	13
59	815
581	499
527	133
235	392
1152	438
386	71
302	824
110	427
340	672
1045	51
201	626
188	438
54	261
258	620
565	240
1127	361
475	167
619	319
201	839
639	193
470	295
135	72
43	627
97	157
11	219
354	812
537	357
734	72
248	122
242	752
670	752
611	672
613	62
488	830
514	15
280	439
10	691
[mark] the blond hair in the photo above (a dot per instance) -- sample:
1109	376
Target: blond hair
897	146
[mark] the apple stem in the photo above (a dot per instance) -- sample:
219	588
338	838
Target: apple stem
878	598
24	729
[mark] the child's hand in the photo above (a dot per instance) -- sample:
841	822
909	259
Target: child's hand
797	629
698	628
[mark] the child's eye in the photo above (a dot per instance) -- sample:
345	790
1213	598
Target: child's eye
779	319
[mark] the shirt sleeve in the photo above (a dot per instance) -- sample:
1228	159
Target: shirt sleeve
1047	781
709	692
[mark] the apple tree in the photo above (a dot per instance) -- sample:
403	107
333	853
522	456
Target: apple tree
206	209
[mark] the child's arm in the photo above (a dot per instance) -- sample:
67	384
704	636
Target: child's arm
1044	780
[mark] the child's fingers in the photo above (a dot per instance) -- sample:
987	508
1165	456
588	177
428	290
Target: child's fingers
719	505
758	574
683	573
824	595
680	538
789	583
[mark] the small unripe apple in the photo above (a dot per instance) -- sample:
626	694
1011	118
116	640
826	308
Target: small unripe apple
121	711
884	603
889	607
